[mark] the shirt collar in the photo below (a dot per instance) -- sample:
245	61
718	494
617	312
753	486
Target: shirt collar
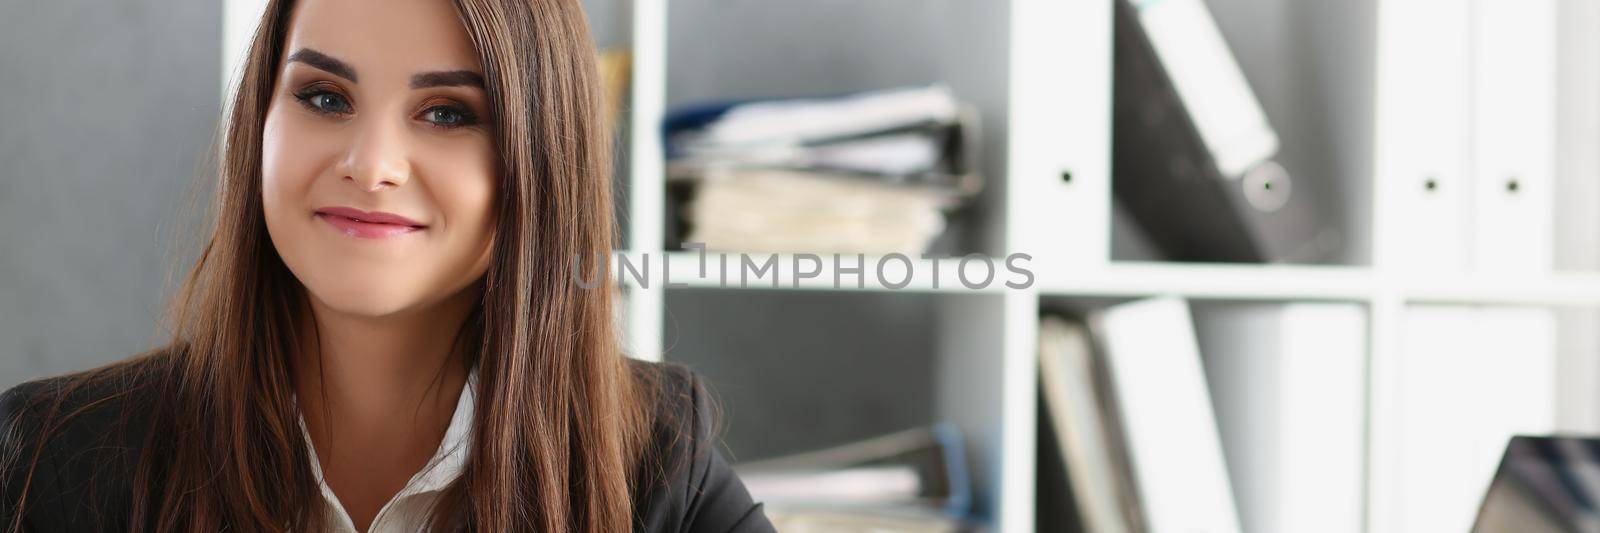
448	461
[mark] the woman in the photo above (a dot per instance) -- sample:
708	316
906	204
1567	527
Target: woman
384	331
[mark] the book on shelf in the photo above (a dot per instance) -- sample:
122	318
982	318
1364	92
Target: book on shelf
1193	154
1079	425
912	480
872	172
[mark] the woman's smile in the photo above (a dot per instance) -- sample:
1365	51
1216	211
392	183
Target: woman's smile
368	225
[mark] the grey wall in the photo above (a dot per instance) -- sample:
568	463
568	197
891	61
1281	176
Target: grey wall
610	21
105	111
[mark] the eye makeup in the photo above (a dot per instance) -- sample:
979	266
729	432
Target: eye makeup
449	116
322	100
441	114
326	99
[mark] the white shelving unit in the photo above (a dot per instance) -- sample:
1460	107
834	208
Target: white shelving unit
1054	203
1048	195
986	346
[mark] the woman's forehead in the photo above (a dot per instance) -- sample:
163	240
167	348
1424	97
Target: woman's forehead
384	39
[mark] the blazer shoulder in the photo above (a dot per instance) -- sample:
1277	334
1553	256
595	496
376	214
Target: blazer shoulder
686	417
71	405
687	484
74	404
68	446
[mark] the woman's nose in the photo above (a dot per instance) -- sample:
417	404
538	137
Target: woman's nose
378	158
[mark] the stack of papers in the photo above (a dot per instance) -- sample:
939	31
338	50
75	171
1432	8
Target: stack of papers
871	172
910	481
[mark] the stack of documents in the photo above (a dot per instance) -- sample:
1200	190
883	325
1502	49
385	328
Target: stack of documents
871	172
910	481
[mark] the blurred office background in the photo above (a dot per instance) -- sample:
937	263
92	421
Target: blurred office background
109	110
1339	251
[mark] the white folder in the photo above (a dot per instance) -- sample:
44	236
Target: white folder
1422	135
1467	379
1210	83
1514	134
1059	204
1289	385
1166	416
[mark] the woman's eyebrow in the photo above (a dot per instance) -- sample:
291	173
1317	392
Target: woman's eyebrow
450	78
447	78
324	62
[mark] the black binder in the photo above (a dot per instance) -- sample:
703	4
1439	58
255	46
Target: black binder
1166	178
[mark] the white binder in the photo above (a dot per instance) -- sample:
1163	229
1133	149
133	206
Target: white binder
1058	154
1289	385
1467	380
1167	421
1465	135
1421	173
1514	134
1210	84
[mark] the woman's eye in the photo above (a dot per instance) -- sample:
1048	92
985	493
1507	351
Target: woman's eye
449	117
323	101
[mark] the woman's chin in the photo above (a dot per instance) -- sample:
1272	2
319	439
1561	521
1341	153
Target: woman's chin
364	301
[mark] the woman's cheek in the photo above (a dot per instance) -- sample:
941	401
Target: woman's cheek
295	155
276	166
466	185
290	155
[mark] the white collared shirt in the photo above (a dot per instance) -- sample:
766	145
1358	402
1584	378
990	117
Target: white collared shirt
408	510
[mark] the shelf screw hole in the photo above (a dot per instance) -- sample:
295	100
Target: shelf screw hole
1512	185
1066	176
1430	184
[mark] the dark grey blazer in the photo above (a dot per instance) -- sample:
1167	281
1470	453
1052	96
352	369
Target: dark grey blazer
84	482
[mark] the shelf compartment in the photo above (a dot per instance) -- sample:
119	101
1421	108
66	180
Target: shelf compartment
847	366
1287	386
720	51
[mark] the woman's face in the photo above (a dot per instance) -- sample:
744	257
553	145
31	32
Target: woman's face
378	164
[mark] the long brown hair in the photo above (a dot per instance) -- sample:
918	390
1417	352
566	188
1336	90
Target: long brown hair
562	418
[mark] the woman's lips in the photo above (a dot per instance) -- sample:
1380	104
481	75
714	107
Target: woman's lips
367	225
